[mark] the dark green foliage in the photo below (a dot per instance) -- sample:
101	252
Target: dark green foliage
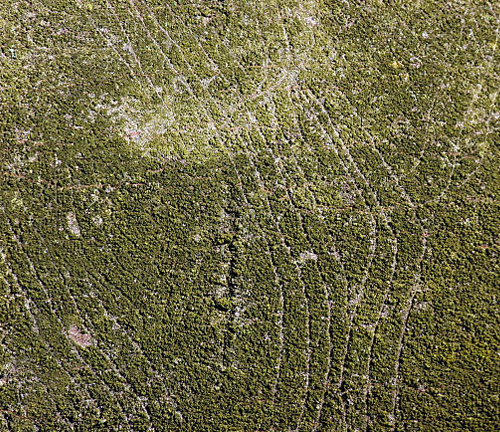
249	216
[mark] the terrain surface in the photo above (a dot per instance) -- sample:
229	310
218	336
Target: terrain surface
249	215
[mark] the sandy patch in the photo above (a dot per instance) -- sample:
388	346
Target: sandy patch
82	339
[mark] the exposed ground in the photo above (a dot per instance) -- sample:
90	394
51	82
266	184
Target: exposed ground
269	215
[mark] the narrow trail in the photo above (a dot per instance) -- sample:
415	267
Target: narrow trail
412	292
356	300
261	184
279	160
315	226
31	303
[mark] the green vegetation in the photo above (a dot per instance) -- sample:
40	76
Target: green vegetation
249	216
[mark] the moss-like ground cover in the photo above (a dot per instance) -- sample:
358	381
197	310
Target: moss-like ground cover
272	215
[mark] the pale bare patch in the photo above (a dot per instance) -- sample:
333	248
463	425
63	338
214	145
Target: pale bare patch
82	339
308	255
73	224
97	220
